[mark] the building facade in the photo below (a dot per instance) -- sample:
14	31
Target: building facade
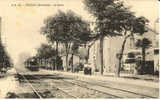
112	46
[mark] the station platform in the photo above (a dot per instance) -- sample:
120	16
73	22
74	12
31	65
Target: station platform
108	77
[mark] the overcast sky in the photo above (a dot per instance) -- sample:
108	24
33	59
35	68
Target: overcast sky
21	25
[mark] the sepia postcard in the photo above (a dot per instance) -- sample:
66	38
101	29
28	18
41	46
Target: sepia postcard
79	49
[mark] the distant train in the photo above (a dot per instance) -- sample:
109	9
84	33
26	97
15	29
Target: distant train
31	64
35	63
50	63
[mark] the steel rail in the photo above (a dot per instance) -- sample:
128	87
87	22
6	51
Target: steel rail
34	90
56	88
92	89
117	89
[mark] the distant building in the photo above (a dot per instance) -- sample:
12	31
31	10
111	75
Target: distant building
112	45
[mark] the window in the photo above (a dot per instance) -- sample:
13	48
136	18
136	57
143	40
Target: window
156	51
131	55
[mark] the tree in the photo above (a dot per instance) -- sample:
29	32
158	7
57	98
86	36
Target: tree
69	28
75	47
114	19
133	26
78	31
45	51
5	60
143	44
52	32
107	22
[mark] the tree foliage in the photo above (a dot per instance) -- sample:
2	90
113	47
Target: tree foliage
5	59
144	44
114	19
66	28
45	51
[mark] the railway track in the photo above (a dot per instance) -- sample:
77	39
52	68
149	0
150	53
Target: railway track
83	86
143	95
29	83
85	90
117	92
109	91
37	91
67	89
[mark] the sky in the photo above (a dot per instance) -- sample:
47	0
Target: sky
21	25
